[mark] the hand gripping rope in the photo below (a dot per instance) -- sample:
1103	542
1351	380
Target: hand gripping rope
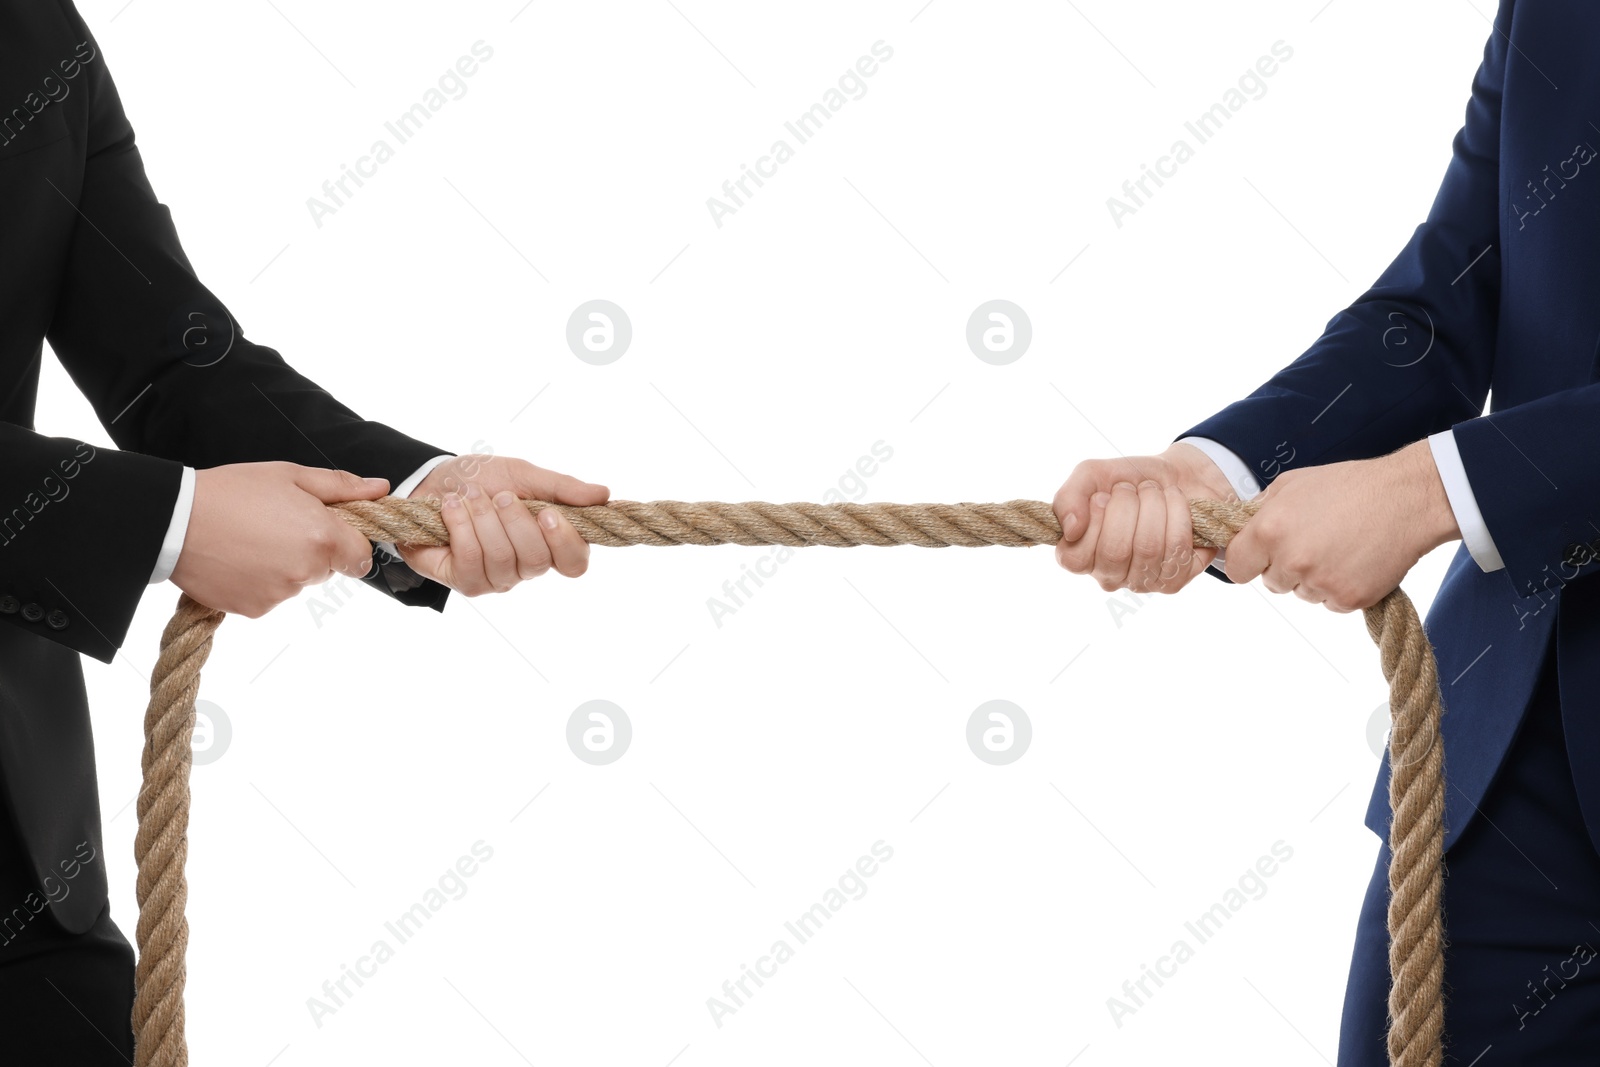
1416	758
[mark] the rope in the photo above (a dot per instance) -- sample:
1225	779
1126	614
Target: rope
1416	758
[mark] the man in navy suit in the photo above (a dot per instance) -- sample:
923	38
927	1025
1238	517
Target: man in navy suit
1373	453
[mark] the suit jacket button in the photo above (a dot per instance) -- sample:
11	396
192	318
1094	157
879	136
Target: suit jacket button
32	612
56	620
9	605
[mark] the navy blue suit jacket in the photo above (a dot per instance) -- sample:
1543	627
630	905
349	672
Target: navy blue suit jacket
1503	278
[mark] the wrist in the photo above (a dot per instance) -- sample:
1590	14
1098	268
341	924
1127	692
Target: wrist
1417	482
1200	472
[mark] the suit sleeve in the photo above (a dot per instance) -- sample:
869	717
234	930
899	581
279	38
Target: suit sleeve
166	366
80	530
1414	354
1533	471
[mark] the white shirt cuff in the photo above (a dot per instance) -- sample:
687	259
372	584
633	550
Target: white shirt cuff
1236	470
1474	531
1233	468
177	529
404	490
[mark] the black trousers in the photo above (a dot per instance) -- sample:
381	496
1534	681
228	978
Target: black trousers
64	998
1521	918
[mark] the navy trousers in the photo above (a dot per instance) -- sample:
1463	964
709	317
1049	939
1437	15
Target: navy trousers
1521	917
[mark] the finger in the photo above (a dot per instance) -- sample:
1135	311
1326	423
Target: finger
569	551
536	483
1071	505
1115	550
1308	593
332	486
1149	538
499	557
1199	561
1247	557
1279	579
464	569
352	552
528	541
1178	551
430	561
1072	502
1078	556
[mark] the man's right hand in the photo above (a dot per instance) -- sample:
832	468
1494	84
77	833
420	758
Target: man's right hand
260	532
1126	520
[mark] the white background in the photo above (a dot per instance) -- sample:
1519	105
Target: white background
373	745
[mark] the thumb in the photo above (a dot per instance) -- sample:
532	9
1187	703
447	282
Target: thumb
333	486
536	483
1203	558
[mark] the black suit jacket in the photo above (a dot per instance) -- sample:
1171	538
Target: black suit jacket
90	262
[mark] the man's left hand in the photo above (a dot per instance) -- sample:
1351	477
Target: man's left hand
1345	534
495	542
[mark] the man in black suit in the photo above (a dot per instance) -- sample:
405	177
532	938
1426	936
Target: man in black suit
225	460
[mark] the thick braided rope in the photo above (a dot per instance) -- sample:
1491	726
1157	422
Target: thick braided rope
1416	793
162	843
1416	804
